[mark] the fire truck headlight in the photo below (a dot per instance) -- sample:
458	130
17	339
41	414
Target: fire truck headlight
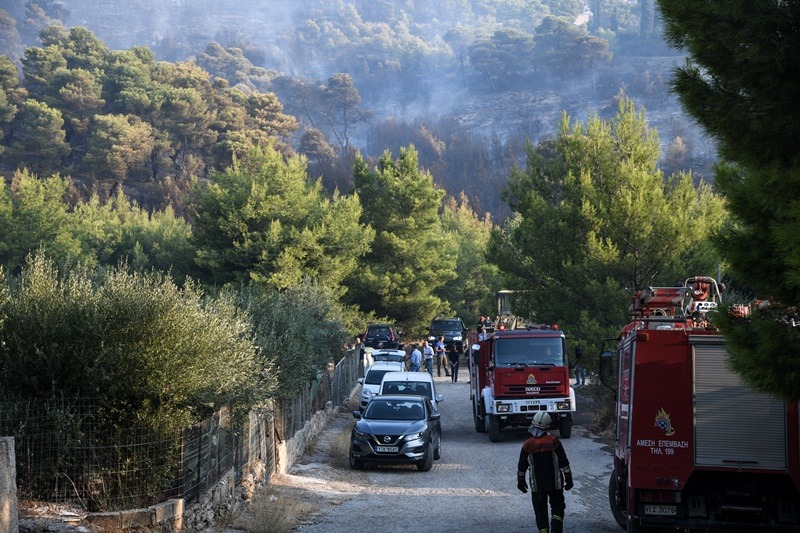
503	407
563	406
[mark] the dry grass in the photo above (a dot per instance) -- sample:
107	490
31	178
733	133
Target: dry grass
273	512
340	445
599	401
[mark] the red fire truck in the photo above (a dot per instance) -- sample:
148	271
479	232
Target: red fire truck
696	449
515	373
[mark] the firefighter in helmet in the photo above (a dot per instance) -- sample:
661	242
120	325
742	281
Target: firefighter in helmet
544	460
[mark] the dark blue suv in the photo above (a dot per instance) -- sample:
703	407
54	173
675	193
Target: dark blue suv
453	330
381	336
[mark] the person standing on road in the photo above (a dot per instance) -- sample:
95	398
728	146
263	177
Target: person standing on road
453	358
544	460
580	375
441	357
427	356
415	361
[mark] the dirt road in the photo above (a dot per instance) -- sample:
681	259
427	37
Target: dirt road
472	488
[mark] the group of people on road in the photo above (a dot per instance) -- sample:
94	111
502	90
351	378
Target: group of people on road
447	359
542	466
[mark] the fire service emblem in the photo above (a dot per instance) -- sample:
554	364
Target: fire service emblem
531	380
663	422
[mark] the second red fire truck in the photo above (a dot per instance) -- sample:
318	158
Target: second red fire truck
515	373
695	448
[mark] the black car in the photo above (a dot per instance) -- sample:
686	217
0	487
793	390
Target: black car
396	430
453	330
381	336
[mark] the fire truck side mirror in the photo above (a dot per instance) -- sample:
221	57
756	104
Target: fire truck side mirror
606	366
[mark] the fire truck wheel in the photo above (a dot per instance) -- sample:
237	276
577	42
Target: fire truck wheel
614	501
480	425
565	427
494	428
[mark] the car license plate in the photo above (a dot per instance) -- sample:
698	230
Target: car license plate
386	449
661	510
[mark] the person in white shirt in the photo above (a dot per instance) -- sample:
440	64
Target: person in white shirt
427	356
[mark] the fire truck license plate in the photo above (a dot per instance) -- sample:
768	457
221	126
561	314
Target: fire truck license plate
661	510
386	449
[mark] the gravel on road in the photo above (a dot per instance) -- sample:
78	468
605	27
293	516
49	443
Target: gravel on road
472	487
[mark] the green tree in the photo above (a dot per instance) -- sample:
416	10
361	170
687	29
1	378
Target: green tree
80	48
77	97
471	293
39	66
738	83
37	139
298	330
135	342
506	53
10	95
400	274
119	231
10	39
262	220
118	145
565	48
594	217
38	217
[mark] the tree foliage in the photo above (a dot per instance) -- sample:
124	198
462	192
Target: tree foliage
595	218
262	220
738	83
471	293
36	214
408	260
299	330
135	342
122	116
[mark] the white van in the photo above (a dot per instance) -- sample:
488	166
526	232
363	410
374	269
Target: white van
414	383
371	382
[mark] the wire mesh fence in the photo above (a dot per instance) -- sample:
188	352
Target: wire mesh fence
66	451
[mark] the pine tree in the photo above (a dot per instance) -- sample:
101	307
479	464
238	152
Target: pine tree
740	84
594	216
405	265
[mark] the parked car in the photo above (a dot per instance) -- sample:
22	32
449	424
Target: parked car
396	430
453	330
389	354
373	376
413	383
382	336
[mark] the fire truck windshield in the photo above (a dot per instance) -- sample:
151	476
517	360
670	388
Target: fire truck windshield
529	352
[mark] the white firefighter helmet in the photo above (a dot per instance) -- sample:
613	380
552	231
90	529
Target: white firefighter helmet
541	421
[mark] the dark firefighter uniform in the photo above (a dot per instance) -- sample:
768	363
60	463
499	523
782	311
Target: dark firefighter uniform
546	462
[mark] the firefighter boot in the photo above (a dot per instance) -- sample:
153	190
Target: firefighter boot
557	524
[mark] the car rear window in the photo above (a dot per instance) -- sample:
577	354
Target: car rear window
394	410
446	324
375	376
414	388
